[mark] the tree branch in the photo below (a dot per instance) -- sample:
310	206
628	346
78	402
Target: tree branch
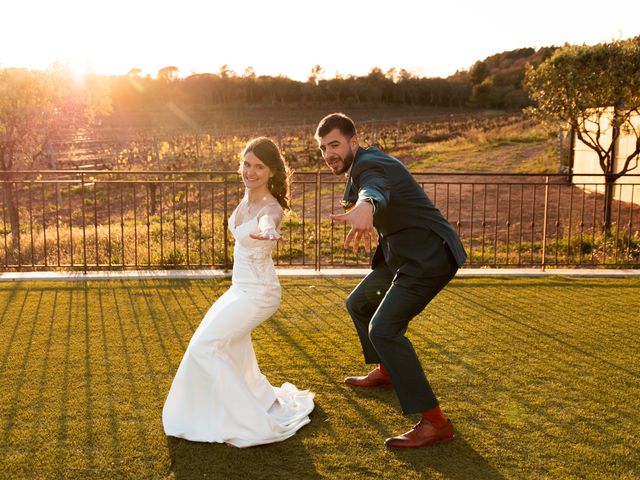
633	156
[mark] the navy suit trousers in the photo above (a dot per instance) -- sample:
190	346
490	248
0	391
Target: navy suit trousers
381	306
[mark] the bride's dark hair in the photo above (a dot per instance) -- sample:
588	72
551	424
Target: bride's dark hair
268	152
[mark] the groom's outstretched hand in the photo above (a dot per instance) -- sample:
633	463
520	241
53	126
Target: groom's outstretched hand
360	218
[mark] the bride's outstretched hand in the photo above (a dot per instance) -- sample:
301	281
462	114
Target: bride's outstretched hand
270	235
268	224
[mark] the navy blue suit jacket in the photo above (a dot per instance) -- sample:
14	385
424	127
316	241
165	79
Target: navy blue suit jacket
404	216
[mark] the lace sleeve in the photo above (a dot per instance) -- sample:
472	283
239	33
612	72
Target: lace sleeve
270	218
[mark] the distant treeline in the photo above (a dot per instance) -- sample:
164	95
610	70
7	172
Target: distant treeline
495	82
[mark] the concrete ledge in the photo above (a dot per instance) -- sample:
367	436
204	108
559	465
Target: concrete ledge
293	272
551	272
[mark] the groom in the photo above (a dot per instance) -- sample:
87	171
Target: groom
417	254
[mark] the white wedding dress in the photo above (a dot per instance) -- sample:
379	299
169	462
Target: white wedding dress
219	393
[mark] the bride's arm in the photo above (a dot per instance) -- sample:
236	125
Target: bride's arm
269	223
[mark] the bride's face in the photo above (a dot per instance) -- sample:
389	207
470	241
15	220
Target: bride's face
255	174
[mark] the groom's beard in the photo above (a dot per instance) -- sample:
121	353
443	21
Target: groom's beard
345	164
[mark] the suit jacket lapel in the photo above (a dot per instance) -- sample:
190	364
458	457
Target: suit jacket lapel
350	196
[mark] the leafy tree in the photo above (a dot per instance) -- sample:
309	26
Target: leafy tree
226	72
316	74
478	72
38	108
168	74
590	87
249	73
497	80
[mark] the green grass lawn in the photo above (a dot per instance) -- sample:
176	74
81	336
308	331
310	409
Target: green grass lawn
541	378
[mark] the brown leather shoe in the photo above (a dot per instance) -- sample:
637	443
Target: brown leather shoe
375	378
422	434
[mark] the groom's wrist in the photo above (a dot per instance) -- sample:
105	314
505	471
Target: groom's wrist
370	201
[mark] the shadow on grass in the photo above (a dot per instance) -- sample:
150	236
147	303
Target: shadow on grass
85	369
287	459
509	317
456	460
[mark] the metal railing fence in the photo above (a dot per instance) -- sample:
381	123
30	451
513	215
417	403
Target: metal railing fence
95	220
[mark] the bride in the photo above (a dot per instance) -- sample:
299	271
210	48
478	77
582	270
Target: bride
219	393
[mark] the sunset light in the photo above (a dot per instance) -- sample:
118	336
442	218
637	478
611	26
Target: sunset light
302	227
288	37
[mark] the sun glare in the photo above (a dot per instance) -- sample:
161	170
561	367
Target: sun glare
199	37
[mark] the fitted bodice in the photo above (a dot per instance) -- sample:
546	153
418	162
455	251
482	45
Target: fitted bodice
252	262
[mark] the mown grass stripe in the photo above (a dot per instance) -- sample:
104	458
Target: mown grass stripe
538	375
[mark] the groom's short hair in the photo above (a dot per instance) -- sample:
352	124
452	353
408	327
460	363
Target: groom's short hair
336	120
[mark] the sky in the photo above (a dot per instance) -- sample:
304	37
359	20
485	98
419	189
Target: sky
289	37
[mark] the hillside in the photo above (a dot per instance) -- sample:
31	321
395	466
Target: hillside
524	147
